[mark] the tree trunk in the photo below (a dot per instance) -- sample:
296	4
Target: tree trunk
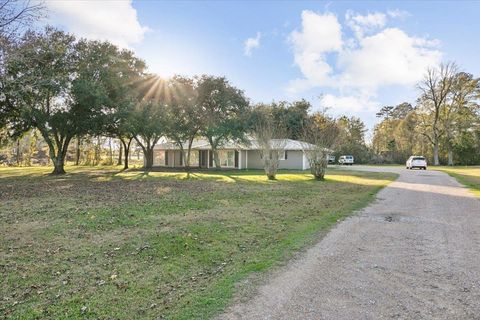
271	173
120	149
147	147
213	145
318	168
216	159
18	155
271	176
58	165
126	148
59	158
270	169
110	151
127	157
450	156
189	150
59	145
148	154
77	152
97	152
436	161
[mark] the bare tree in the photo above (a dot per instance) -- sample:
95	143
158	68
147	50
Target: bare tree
320	134
435	87
271	142
15	14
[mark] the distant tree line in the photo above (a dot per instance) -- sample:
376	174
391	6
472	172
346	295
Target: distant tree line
444	125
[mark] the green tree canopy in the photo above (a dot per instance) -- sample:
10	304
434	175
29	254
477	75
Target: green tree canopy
184	114
223	109
63	87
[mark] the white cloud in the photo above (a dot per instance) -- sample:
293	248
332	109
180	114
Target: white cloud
357	67
361	24
390	57
349	103
115	21
320	34
251	43
397	13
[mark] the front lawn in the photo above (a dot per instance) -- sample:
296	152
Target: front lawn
469	176
98	243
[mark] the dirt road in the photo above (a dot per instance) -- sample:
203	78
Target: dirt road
412	254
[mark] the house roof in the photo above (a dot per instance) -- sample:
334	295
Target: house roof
202	144
286	144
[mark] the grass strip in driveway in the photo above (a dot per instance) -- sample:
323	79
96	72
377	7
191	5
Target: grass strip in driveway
97	243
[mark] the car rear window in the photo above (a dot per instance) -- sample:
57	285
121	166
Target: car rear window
419	158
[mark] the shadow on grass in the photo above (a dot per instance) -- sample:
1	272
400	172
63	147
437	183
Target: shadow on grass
154	231
107	173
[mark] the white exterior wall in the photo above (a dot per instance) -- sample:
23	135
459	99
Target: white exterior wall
242	159
254	160
306	163
247	159
294	160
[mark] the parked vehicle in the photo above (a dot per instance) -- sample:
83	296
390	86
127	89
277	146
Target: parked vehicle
345	160
419	162
331	159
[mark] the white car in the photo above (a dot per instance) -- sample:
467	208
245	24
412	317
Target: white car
346	160
417	162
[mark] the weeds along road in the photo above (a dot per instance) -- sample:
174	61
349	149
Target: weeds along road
412	254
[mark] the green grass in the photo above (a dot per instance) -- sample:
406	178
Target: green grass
100	243
469	176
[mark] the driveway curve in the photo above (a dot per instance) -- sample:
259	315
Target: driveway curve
414	253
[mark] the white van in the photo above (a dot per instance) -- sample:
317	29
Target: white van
346	160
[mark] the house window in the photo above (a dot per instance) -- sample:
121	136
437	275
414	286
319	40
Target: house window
227	158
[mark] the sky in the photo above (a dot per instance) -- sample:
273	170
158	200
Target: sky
351	57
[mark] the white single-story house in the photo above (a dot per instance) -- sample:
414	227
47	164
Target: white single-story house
231	155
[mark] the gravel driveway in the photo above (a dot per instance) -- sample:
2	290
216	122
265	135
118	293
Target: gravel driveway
412	254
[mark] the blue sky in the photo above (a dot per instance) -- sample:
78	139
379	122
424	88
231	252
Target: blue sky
351	57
